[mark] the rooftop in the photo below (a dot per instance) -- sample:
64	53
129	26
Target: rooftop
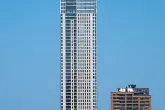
135	90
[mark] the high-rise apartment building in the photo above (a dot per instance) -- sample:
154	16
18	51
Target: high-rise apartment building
78	55
131	98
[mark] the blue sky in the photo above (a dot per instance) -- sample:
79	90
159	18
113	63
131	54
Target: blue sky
131	49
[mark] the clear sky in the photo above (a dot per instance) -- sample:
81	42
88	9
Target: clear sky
131	49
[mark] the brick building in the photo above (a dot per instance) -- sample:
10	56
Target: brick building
131	98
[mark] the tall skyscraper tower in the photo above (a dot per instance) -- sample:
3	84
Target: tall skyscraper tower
78	55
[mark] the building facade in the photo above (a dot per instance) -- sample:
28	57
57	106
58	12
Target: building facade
78	55
131	98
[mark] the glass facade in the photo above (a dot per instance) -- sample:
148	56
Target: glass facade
78	55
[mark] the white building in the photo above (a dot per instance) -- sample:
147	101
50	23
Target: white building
78	55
